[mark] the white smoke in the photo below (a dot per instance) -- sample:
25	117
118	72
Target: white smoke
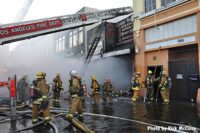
38	54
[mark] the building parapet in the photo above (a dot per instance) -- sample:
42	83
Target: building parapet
162	8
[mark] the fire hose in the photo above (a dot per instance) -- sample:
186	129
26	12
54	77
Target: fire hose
79	125
55	129
7	108
135	121
75	122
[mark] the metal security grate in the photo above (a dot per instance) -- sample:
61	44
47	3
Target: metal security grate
184	52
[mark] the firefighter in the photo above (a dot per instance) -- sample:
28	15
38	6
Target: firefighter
95	89
40	99
22	89
57	88
136	86
107	90
164	86
149	84
76	93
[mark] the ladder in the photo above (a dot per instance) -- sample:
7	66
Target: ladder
23	11
95	40
29	29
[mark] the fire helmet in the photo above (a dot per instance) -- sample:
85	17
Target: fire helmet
73	73
93	77
164	72
138	73
150	72
108	80
40	75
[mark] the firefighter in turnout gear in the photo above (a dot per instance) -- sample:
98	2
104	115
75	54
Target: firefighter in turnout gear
22	89
164	86
76	93
107	90
136	86
40	99
57	88
95	89
149	84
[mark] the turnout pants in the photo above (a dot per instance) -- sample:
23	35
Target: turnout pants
96	98
76	105
165	94
56	96
150	93
135	93
104	97
36	110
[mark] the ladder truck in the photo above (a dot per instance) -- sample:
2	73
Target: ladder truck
30	29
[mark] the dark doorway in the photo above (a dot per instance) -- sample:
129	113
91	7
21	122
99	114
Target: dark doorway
183	69
156	72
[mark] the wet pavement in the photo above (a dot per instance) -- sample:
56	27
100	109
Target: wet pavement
121	116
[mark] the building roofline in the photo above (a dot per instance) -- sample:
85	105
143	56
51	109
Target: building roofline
85	7
163	8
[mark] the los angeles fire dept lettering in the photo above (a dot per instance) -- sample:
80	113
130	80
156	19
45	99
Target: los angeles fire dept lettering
28	28
23	28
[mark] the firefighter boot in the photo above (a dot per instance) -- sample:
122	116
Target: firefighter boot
35	111
46	115
135	95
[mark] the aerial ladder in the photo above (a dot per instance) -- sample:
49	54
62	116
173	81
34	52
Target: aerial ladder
23	11
30	29
95	40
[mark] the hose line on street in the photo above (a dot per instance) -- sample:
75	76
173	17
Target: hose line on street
7	108
82	127
135	121
53	126
30	127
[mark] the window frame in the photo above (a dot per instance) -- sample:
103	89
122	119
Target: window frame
149	7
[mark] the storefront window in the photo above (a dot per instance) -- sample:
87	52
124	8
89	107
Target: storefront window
176	28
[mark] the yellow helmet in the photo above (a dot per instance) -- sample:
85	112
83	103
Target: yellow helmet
40	75
150	72
93	77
